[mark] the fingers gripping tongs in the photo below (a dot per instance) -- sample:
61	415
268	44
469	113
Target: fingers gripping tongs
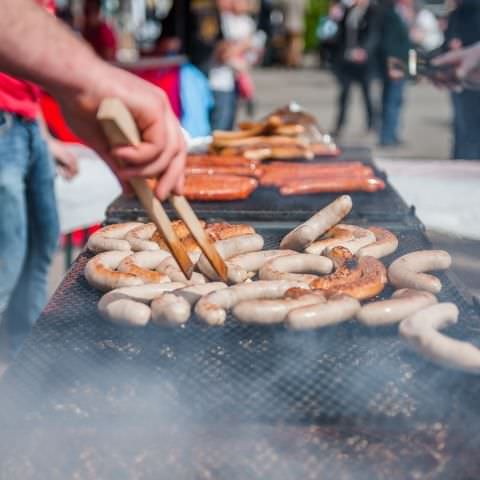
120	128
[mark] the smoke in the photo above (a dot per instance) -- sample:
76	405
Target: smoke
92	401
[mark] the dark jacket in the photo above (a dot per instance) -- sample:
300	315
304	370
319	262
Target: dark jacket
395	37
197	23
367	34
464	23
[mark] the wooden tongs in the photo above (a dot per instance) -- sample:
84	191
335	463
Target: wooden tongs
120	128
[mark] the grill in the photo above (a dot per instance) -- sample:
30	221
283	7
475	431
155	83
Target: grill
233	402
266	204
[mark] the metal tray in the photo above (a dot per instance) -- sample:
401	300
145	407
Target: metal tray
266	204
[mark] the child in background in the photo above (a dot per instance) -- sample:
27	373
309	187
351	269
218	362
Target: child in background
241	48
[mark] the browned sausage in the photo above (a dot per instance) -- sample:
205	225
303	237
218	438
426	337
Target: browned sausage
332	185
285	178
360	278
212	160
219	187
241	170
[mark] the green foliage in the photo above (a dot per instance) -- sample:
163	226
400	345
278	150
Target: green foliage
315	10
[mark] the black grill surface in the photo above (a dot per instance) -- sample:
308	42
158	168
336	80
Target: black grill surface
266	204
86	399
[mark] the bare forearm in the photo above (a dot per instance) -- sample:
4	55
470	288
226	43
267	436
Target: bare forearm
36	46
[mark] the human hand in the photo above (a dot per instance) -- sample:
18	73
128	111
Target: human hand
358	55
395	68
162	153
66	161
465	64
455	44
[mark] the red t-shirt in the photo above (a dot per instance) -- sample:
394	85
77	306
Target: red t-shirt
18	96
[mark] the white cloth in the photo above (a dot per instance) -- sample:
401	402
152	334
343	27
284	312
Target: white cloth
427	24
235	28
82	202
445	193
222	78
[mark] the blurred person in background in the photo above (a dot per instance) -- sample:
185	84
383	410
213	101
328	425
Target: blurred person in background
202	42
295	26
463	30
328	32
234	26
264	24
355	52
241	48
395	43
200	28
97	32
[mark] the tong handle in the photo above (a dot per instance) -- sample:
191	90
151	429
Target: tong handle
120	129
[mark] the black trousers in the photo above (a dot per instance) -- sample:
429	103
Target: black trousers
348	74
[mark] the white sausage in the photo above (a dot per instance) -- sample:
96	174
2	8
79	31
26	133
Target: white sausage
141	265
337	309
402	304
129	305
405	272
212	308
385	244
229	248
170	310
170	267
254	261
420	330
146	293
111	237
295	267
100	272
139	238
321	222
194	293
268	312
350	236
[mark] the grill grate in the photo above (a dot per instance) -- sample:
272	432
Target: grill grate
266	204
79	379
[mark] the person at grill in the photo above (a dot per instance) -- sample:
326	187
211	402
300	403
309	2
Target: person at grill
356	44
463	31
36	47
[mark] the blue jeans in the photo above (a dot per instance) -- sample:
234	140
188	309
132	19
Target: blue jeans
466	125
392	102
224	110
29	227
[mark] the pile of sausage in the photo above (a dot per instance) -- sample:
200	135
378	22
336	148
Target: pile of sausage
322	274
284	134
216	177
233	168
